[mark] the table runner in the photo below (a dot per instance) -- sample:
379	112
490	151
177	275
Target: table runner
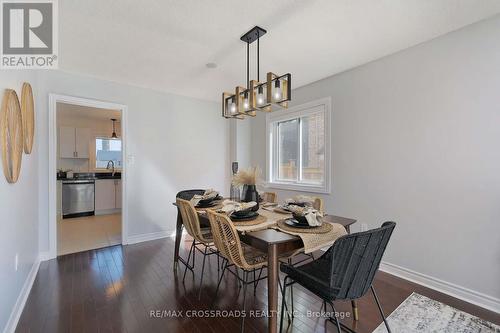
272	219
314	242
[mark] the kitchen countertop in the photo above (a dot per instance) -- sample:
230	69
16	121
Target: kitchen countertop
93	176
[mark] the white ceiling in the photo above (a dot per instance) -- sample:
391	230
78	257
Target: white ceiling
76	111
164	45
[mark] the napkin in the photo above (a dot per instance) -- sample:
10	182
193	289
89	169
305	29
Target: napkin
229	206
209	194
313	216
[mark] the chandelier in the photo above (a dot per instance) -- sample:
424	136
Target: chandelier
257	96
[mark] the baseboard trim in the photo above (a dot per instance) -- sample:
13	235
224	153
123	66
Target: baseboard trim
18	308
44	256
148	237
465	294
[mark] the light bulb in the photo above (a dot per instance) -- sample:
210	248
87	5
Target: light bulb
277	95
260	96
232	106
246	104
277	91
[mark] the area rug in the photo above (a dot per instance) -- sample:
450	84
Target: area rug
421	314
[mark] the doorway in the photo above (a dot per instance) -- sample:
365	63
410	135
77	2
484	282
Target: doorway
87	174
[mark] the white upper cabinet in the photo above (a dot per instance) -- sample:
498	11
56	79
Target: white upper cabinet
74	142
82	142
67	142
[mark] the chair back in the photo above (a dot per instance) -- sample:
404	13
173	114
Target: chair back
226	238
189	194
269	197
356	259
190	220
318	204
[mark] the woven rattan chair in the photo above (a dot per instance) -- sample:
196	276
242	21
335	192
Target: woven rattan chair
318	204
236	254
345	272
201	236
270	197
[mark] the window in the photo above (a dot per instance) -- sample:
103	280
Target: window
107	149
298	142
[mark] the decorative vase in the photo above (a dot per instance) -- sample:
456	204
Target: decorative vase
250	194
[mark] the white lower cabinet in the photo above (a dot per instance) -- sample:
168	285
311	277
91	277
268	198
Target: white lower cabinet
118	193
108	196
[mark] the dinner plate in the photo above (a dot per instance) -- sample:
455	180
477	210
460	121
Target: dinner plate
207	205
249	217
295	224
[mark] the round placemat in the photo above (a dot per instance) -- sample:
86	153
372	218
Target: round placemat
258	220
28	116
322	229
281	211
11	135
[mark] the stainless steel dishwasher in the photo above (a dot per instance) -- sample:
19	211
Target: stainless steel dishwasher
78	198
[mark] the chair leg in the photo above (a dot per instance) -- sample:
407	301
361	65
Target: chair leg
187	262
202	271
258	280
218	284
380	309
245	279
336	319
283	302
355	310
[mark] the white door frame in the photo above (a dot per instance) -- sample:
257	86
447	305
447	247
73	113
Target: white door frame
53	100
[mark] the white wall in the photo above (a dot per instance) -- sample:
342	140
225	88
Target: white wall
415	139
176	143
18	213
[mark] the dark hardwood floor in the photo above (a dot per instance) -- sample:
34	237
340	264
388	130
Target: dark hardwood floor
116	289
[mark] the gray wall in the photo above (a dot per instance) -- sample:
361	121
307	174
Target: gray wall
18	213
177	143
415	139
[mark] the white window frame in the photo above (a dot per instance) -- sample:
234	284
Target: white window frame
94	157
271	145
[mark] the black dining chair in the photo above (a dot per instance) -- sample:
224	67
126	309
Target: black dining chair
202	236
345	272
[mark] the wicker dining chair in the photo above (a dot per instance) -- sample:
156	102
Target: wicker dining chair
270	197
345	272
236	254
201	237
318	204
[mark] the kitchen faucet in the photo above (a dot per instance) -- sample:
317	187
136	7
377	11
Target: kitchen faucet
112	166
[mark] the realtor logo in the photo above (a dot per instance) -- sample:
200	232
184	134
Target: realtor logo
29	34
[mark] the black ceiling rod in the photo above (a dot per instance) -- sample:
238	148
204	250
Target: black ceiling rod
248	65
258	57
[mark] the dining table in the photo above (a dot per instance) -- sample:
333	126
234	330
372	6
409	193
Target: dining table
270	240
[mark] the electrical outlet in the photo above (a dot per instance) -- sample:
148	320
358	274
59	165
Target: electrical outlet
16	261
364	226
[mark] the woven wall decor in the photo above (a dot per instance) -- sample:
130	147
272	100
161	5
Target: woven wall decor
11	135
28	115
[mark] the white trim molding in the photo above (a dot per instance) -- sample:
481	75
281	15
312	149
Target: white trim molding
18	308
53	100
465	294
149	236
323	105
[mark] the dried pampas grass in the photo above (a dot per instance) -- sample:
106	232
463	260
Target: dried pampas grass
248	176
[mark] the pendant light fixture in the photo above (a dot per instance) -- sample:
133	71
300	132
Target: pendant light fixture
113	135
257	96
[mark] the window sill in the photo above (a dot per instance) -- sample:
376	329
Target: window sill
298	187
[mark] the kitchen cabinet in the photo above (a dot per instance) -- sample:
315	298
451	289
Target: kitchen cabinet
74	142
108	195
118	193
104	195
